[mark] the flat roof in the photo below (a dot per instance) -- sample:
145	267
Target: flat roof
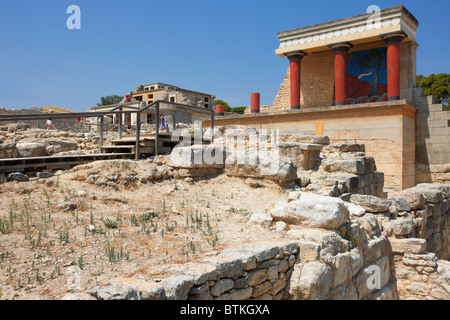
357	29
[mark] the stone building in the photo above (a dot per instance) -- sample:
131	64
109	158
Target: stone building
148	93
354	80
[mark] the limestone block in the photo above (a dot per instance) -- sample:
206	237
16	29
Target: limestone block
341	268
345	291
355	210
280	170
305	156
425	260
375	248
403	226
241	294
177	287
221	286
311	281
309	251
304	138
370	203
145	290
359	165
415	199
400	204
408	245
345	147
17	176
370	224
256	277
312	210
27	150
278	286
261	289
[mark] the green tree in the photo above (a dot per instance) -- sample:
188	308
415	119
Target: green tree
239	110
223	103
114	99
437	85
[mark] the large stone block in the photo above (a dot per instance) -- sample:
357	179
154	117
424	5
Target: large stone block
359	165
370	203
408	245
313	211
305	156
311	281
280	170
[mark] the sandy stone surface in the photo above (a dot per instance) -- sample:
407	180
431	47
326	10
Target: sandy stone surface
62	234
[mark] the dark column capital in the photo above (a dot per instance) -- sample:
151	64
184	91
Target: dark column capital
393	37
296	55
340	47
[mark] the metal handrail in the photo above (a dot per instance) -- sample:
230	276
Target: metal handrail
119	107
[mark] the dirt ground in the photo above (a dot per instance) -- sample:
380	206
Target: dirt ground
70	236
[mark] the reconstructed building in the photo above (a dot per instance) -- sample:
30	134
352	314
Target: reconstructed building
148	93
354	80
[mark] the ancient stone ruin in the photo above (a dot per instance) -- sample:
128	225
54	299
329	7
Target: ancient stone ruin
343	237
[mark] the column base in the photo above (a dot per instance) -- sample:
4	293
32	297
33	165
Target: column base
295	107
339	103
393	98
220	114
254	111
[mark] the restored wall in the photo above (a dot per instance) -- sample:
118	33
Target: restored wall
317	78
432	142
387	133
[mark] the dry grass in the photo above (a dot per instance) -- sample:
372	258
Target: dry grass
105	236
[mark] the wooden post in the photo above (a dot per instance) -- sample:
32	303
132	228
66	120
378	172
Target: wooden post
138	135
120	122
157	129
101	133
174	119
212	126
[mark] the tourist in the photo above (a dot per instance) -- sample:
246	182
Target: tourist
129	128
49	121
163	121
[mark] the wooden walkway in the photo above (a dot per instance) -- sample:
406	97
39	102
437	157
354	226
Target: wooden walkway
55	162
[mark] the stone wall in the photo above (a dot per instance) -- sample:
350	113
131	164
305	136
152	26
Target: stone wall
420	275
432	142
428	217
337	252
257	272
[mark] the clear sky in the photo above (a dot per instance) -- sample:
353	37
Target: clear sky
225	48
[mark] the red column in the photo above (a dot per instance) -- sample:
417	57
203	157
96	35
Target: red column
220	110
393	65
340	71
254	102
295	61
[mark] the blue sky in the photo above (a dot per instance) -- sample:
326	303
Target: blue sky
225	48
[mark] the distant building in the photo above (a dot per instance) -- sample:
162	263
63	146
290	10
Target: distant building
161	91
157	91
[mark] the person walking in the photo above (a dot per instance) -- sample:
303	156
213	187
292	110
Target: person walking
162	120
50	121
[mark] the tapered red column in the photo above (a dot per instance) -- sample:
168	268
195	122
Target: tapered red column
393	42
295	64
254	102
220	110
340	71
